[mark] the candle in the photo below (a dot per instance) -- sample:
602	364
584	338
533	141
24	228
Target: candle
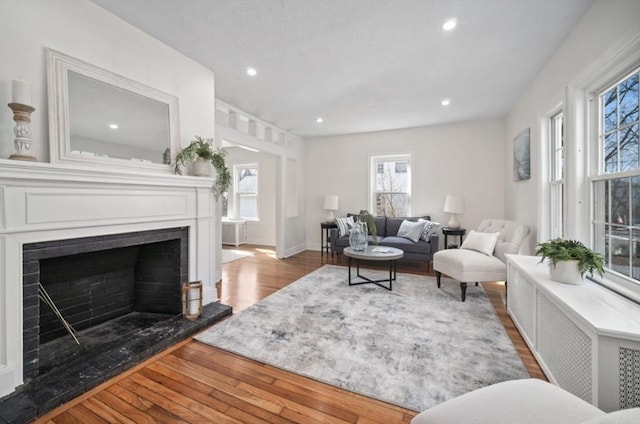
21	92
194	301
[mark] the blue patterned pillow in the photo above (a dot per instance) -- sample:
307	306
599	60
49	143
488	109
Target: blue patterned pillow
429	227
344	225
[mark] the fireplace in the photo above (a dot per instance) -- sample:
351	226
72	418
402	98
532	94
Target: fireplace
92	280
53	215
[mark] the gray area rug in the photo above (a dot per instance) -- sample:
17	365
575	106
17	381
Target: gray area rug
414	347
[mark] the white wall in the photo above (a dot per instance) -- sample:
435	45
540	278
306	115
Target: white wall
605	28
464	159
262	232
83	30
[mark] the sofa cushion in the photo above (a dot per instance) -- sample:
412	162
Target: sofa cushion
381	225
344	225
517	401
393	224
429	227
406	245
410	230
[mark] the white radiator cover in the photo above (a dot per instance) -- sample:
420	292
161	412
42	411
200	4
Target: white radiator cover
585	337
45	202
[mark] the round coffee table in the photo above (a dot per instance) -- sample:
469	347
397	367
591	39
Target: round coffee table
374	253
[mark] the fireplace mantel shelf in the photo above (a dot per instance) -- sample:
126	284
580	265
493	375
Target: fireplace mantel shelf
41	171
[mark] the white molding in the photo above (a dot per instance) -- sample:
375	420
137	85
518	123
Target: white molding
45	202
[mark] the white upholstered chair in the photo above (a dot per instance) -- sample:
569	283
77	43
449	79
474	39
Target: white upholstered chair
528	401
467	265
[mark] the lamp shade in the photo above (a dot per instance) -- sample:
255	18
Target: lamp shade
454	204
331	202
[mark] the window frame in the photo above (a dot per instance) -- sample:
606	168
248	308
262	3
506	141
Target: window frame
237	195
556	194
625	285
375	160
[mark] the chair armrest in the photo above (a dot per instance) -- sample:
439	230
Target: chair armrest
434	241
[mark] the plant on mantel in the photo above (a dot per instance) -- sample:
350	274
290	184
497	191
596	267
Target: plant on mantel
203	148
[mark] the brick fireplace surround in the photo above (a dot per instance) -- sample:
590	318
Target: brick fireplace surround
50	205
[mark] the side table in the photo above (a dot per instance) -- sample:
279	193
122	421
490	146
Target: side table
325	244
446	231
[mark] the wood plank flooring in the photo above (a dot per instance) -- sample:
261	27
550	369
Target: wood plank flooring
195	383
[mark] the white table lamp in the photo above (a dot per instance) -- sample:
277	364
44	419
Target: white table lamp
331	204
454	205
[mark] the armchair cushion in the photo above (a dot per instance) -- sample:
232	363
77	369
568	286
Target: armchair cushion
468	265
481	242
516	401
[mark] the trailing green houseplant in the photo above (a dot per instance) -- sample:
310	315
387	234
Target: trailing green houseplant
369	219
203	148
560	249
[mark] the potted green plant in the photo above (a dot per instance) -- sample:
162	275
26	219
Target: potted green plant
369	219
570	260
201	153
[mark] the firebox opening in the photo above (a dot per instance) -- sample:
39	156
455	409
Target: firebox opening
91	288
111	289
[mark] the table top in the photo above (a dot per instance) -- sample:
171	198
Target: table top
375	253
328	224
453	231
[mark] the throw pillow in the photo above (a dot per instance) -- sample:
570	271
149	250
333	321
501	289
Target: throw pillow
429	227
481	242
344	225
411	230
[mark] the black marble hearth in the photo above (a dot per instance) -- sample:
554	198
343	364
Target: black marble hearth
106	350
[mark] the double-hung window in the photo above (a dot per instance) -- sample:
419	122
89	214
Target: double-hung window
556	176
616	187
246	191
391	185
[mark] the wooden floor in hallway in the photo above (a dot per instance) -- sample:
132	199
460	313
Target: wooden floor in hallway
195	383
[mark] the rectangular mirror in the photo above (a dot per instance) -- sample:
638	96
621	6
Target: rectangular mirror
96	116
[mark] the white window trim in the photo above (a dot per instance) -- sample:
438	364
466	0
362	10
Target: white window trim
237	195
373	171
584	102
544	215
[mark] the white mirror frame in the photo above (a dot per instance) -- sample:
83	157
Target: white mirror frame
58	67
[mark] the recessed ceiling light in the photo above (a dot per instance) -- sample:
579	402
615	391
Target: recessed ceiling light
113	126
449	24
251	71
445	102
319	120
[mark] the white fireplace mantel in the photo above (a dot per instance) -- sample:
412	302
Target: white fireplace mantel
44	202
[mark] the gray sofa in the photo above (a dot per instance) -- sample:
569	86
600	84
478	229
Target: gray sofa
387	228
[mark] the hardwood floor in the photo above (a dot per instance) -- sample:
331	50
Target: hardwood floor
195	383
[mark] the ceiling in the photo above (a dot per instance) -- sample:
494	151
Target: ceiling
362	65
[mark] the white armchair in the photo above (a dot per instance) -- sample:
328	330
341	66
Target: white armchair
528	401
469	264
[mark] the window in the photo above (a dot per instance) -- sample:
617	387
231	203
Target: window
556	177
616	188
246	191
391	185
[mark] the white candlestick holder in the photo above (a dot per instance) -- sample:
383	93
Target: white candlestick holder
22	131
